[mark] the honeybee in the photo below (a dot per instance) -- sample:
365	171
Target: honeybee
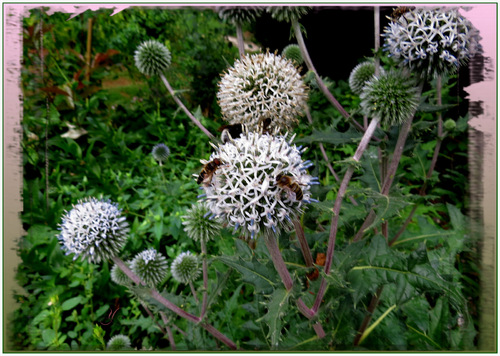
287	183
208	171
400	11
234	130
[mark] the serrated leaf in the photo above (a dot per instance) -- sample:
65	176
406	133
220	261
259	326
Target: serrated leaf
252	271
276	309
217	287
456	217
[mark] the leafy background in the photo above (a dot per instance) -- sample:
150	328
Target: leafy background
428	282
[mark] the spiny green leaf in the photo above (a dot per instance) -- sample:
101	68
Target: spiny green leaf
262	277
217	287
456	217
276	309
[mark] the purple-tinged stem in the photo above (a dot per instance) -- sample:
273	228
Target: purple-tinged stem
365	140
193	291
279	263
435	155
325	156
153	318
239	38
220	336
204	303
170	335
306	251
183	107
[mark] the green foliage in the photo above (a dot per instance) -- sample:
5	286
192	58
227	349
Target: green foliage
99	131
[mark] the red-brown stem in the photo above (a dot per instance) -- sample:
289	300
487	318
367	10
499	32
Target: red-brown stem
279	263
304	247
183	107
239	38
170	335
435	155
153	318
220	336
204	303
369	314
365	140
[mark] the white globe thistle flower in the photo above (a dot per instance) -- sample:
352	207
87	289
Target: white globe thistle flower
239	14
150	266
390	98
261	184
361	74
262	86
431	42
152	58
199	225
93	229
119	342
185	268
160	152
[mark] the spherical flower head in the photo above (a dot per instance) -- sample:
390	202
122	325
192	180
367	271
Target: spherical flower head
261	185
119	342
450	125
185	268
239	14
292	52
262	86
390	98
431	42
361	74
119	277
199	223
152	58
93	229
160	152
150	266
288	13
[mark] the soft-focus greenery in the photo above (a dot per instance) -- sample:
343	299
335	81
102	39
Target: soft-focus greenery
118	115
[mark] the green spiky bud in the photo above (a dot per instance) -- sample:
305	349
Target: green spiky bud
160	152
185	267
150	266
292	52
119	342
450	125
200	224
152	58
361	74
119	277
390	98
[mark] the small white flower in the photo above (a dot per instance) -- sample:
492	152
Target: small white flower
245	191
93	229
262	86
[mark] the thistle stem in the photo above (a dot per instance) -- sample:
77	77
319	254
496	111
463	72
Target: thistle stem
153	318
306	251
170	335
279	263
183	107
435	155
193	291
365	140
204	303
239	38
